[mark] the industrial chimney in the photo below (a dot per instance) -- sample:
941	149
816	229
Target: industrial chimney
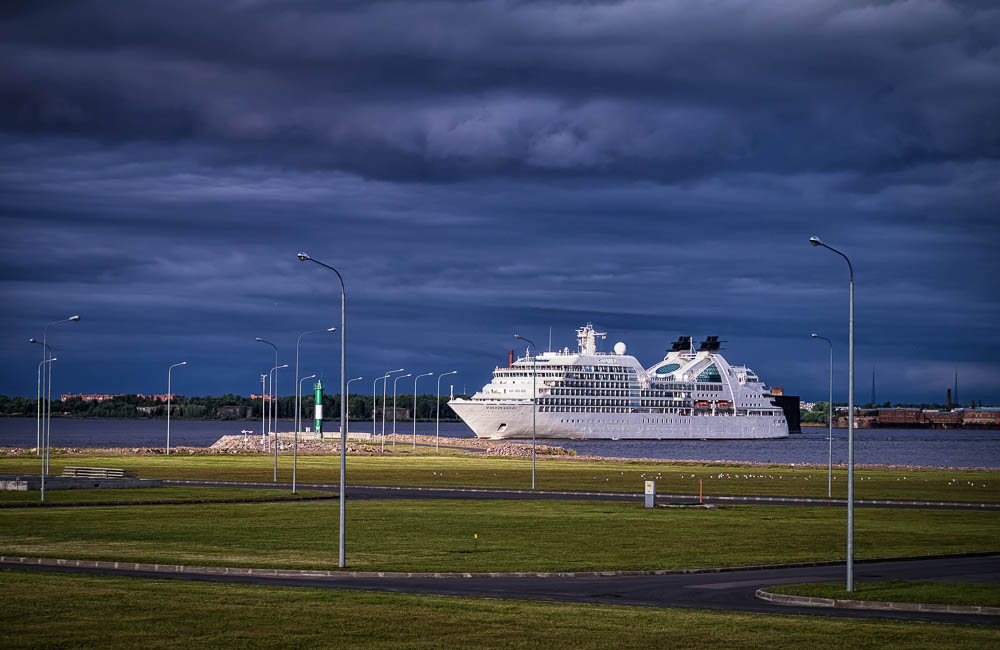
949	399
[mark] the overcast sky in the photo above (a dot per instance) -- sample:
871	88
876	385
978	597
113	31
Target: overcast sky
479	169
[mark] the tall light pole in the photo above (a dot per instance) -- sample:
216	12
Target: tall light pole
169	396
409	374
414	415
534	403
815	241
273	419
46	353
375	382
385	389
263	410
298	393
45	459
829	472
347	424
343	397
295	445
437	425
38	399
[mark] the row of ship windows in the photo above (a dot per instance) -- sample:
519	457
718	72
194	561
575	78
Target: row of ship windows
583	409
612	409
603	393
597	384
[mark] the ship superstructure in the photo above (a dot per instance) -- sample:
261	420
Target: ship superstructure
690	394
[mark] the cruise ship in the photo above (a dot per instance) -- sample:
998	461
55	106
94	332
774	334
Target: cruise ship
693	394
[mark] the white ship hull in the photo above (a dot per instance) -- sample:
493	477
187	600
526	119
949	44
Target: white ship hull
690	395
512	420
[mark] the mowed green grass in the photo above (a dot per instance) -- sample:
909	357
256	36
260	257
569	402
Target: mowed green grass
551	474
63	610
440	535
899	591
153	495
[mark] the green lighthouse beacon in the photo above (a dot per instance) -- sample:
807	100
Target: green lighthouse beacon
319	407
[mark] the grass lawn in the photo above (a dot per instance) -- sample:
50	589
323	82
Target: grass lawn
899	591
437	535
152	495
551	474
64	610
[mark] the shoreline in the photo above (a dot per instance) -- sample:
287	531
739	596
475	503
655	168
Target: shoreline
251	446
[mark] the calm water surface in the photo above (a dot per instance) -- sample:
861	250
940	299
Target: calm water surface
937	448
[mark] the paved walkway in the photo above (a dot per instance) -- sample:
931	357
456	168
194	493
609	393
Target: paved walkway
726	590
432	492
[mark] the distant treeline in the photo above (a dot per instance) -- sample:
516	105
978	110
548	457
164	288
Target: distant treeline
224	407
821	410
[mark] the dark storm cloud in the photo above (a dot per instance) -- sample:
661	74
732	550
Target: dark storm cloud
452	90
481	168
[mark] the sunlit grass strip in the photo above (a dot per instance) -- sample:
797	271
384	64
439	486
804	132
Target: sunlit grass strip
941	593
59	610
467	471
441	535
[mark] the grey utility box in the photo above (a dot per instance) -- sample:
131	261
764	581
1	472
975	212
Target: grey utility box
650	494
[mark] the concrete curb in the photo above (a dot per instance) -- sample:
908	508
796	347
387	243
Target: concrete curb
333	573
811	601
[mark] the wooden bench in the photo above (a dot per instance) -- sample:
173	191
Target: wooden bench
98	472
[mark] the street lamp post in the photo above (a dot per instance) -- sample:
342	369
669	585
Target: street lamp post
409	374
534	403
274	404
46	353
274	420
45	459
298	393
343	403
375	382
815	241
263	410
169	396
829	472
38	399
385	389
295	445
414	414
437	425
348	411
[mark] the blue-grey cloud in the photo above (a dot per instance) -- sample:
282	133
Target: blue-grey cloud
481	168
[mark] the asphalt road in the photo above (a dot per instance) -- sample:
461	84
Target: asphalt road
726	591
422	492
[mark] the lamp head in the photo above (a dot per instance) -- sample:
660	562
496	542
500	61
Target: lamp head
53	359
331	329
33	341
814	335
303	257
183	363
260	340
284	365
74	318
815	241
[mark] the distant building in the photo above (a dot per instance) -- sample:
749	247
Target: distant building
265	397
401	413
96	397
233	411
